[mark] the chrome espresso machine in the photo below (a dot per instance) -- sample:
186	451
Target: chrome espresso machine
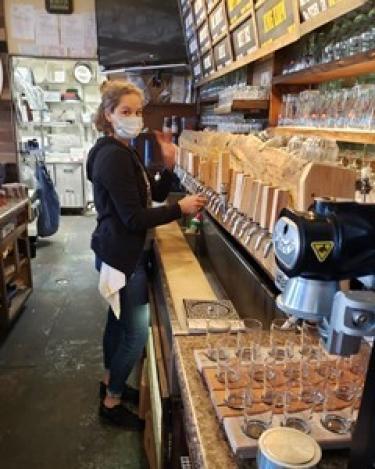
315	252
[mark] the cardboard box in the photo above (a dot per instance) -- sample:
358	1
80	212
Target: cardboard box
243	39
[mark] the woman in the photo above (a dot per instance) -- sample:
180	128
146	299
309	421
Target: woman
123	193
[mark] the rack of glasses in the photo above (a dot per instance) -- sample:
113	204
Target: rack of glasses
259	379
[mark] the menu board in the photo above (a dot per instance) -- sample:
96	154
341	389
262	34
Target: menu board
218	24
189	24
274	19
208	64
237	8
244	39
199	11
204	38
223	53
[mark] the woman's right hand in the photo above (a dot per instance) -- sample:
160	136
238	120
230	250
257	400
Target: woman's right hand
191	204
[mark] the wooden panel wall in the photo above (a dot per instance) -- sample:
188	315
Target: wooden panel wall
8	148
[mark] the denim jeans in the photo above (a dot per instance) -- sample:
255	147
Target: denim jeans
125	338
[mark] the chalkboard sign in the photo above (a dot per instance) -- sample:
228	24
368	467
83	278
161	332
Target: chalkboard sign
222	53
204	38
274	18
62	7
244	39
218	22
208	64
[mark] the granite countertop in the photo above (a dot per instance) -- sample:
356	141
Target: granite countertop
182	277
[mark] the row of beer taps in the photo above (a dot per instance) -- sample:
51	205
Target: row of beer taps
240	225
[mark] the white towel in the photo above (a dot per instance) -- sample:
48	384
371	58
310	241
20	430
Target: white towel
111	281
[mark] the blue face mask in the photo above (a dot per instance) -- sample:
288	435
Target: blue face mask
128	127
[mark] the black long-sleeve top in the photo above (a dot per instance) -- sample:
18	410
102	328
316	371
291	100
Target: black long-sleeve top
120	197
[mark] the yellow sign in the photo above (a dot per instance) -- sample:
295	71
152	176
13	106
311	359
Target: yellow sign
322	249
274	17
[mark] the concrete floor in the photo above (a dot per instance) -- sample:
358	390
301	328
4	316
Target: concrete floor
50	366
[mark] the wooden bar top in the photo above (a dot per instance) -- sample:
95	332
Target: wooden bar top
183	274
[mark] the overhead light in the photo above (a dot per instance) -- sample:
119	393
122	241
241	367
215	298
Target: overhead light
143	67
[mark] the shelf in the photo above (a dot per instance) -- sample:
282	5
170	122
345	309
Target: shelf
219	38
341	135
48	124
10	271
213	6
18	301
353	66
243	105
185	105
341	7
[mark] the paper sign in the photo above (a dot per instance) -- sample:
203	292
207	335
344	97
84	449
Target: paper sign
47	30
22	20
72	31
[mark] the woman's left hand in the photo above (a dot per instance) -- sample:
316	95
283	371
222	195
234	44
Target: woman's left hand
167	147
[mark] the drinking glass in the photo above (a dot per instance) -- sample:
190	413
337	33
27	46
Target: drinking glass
338	407
283	339
249	338
297	410
258	415
310	339
218	338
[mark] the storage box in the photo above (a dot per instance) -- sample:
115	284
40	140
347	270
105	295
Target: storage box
223	53
199	8
208	64
217	20
274	19
237	8
244	39
193	48
204	39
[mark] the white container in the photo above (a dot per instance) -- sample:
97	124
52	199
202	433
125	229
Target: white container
287	448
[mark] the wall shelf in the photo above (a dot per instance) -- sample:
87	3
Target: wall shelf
353	66
341	135
243	105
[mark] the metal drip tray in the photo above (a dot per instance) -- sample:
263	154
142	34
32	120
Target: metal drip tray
199	311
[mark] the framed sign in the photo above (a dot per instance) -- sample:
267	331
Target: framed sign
204	38
244	39
223	53
61	7
208	64
217	21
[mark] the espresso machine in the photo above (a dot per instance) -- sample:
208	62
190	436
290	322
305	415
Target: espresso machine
326	274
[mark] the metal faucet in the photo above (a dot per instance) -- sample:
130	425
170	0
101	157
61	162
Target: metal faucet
245	227
251	232
240	219
228	214
267	247
263	234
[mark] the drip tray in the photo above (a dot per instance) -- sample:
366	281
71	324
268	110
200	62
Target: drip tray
199	311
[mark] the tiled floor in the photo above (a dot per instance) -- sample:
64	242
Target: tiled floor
50	366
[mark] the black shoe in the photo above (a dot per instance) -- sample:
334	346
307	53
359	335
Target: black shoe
121	417
129	394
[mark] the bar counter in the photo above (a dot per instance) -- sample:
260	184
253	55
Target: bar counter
183	277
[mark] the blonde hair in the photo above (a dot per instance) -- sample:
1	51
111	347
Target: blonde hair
112	92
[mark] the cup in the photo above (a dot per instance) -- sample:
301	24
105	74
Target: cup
217	338
297	410
338	407
249	338
283	339
310	339
257	416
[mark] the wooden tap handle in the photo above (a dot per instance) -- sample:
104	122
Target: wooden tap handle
266	208
280	201
246	193
258	202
